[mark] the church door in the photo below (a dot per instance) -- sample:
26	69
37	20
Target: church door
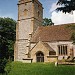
40	57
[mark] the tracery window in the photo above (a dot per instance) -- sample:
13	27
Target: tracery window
62	49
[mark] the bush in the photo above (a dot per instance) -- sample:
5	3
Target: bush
8	67
2	65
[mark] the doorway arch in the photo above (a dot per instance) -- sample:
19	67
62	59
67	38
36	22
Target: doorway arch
39	57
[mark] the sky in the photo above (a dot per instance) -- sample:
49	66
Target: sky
8	8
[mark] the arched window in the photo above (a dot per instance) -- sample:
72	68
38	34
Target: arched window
39	57
25	12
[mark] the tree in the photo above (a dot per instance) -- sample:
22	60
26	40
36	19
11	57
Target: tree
72	27
7	38
47	22
67	5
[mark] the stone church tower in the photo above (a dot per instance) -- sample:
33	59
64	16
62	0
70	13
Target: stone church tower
30	16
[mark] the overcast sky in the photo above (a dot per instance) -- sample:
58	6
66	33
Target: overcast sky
8	8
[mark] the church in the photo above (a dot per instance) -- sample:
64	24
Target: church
37	43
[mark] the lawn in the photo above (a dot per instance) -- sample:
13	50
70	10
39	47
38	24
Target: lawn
18	68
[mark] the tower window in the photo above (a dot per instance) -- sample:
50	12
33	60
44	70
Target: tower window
62	49
25	12
38	13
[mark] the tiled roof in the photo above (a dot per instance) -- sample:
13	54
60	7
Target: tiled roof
52	33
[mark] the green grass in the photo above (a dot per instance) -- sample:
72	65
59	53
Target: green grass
18	68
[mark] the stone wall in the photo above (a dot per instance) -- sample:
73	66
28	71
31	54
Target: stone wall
54	46
39	48
25	11
74	49
30	16
21	50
